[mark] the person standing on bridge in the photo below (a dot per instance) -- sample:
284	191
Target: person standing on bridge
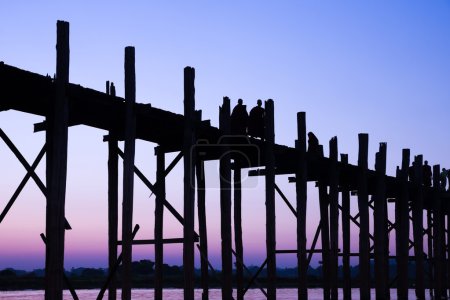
239	119
444	179
427	174
256	121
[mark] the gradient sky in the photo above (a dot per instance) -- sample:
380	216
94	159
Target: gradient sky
379	67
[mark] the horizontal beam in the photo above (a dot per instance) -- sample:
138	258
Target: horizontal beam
164	241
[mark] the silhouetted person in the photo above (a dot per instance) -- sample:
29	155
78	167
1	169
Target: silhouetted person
427	174
256	121
313	144
443	179
239	119
412	172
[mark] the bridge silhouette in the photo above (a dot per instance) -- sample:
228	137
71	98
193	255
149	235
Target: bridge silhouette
65	104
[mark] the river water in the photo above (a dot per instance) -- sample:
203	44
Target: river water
177	294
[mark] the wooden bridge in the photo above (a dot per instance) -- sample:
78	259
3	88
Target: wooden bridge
64	104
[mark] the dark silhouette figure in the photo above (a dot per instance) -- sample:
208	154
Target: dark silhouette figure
411	172
448	176
313	144
256	121
239	119
427	174
443	179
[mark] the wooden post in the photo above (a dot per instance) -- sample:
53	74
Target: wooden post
270	200
325	234
346	235
225	204
189	182
334	217
128	171
301	193
417	214
430	262
200	171
363	206
159	217
437	239
402	227
448	249
238	233
380	227
56	136
113	200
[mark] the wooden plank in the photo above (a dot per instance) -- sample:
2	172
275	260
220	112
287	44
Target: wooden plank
402	227
200	173
128	171
113	204
269	133
430	254
345	193
334	218
159	217
225	205
380	227
363	207
301	200
417	214
325	238
56	140
238	233
189	183
438	259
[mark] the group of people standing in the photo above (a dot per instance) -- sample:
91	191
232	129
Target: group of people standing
243	123
427	175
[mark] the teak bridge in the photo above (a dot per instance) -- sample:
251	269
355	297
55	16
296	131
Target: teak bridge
64	104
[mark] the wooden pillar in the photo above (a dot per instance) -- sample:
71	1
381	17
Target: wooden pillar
334	217
225	204
402	227
270	200
448	249
189	183
238	233
417	214
363	206
113	200
346	235
325	232
380	227
301	197
200	173
430	253
128	171
56	136
439	264
159	217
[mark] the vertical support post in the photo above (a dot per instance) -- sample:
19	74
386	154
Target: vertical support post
225	204
448	248
346	234
128	171
325	232
402	227
334	218
189	183
417	214
238	232
56	136
363	206
430	261
159	221
200	171
113	200
380	227
437	239
270	200
301	197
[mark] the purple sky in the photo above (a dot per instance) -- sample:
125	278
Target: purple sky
382	68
